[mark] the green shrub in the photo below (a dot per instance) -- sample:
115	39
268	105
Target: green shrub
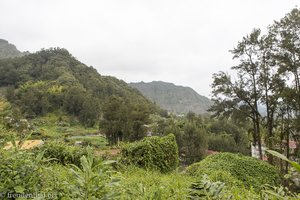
157	153
62	153
58	181
249	171
19	172
207	189
24	173
95	181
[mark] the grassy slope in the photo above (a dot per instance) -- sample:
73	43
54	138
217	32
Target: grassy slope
57	125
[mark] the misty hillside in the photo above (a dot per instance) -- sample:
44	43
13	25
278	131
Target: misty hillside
8	50
177	99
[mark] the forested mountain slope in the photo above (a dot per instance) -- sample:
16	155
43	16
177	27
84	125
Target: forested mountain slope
53	79
174	98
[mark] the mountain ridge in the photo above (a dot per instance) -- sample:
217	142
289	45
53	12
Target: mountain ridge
8	50
174	98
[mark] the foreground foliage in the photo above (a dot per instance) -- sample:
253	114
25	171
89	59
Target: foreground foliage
207	189
141	184
24	172
19	172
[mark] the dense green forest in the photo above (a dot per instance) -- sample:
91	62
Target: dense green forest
54	81
99	138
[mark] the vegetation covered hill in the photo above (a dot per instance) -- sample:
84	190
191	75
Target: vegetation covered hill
177	99
8	50
53	80
46	93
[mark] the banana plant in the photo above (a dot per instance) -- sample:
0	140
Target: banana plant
283	157
93	179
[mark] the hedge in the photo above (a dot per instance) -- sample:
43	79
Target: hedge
154	153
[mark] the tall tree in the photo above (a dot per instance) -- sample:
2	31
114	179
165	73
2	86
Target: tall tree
114	122
194	142
124	120
287	55
270	84
241	95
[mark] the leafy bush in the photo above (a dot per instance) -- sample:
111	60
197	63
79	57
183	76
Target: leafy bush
158	153
62	153
247	170
58	181
94	181
207	189
19	172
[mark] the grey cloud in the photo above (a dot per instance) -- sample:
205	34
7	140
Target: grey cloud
182	41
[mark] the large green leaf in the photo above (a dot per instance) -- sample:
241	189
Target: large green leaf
283	157
278	155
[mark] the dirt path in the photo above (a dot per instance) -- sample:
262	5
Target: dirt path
109	152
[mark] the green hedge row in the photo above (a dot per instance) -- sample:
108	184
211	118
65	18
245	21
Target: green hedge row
154	153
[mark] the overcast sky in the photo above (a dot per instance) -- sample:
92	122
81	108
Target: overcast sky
178	41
